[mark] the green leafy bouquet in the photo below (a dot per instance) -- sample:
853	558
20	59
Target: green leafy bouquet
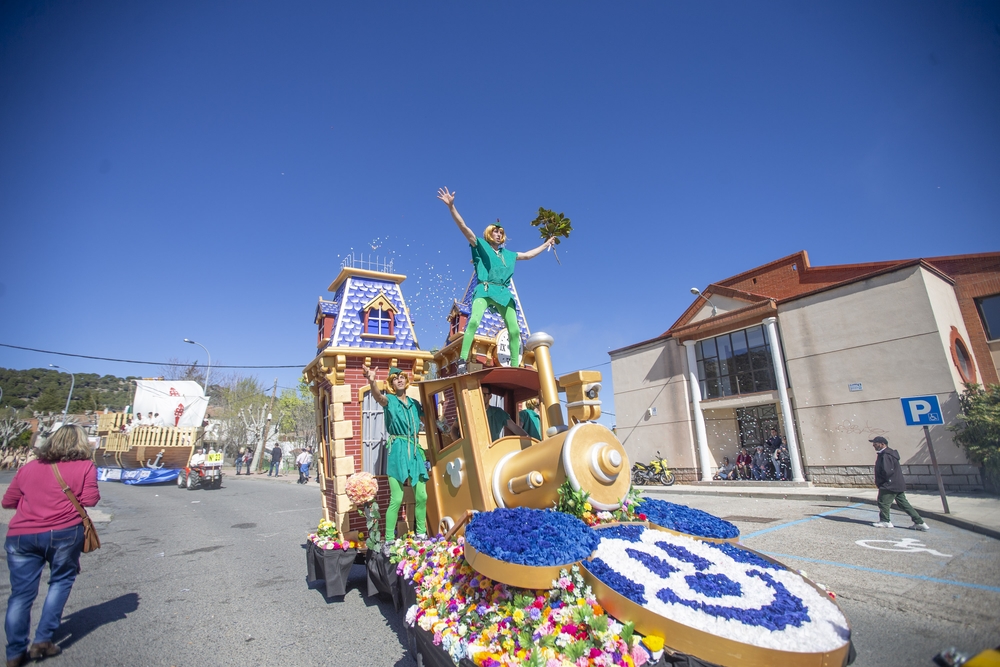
552	225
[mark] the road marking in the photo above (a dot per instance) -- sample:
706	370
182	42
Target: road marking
794	523
307	509
907	545
920	577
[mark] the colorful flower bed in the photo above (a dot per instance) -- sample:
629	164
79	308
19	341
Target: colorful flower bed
719	589
531	537
327	537
687	520
496	625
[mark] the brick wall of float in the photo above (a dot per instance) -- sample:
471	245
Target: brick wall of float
918	477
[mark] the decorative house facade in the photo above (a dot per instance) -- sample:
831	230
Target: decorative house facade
491	346
366	322
822	354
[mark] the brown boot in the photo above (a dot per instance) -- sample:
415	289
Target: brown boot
18	661
43	650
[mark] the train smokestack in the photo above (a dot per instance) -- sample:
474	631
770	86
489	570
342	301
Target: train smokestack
539	343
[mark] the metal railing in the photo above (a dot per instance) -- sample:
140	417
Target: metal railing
369	262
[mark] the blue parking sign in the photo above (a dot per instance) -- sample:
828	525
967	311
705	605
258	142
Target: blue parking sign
922	411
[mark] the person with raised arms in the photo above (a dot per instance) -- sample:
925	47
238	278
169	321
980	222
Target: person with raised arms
494	269
405	460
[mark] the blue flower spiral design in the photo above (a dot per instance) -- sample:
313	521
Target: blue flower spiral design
680	553
786	609
744	556
713	585
630	589
652	563
687	520
531	537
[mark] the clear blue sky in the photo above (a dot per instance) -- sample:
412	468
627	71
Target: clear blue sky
198	169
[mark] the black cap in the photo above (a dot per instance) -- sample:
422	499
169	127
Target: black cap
879	439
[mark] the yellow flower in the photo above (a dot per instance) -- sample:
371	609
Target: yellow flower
518	616
588	506
581	602
653	643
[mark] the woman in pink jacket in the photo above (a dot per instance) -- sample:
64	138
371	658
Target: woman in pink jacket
46	529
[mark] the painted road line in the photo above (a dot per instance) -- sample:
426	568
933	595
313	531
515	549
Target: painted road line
795	523
920	577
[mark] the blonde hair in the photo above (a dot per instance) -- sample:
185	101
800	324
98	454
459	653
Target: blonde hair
531	403
488	233
68	443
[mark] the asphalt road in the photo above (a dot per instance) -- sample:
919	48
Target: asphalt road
218	578
215	577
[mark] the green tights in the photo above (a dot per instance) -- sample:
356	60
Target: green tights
396	501
509	314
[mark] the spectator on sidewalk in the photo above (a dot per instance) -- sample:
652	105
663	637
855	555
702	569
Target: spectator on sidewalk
891	486
303	461
239	460
276	455
743	463
727	471
759	464
248	460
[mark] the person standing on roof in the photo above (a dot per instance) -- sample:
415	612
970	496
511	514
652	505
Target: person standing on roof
406	460
494	270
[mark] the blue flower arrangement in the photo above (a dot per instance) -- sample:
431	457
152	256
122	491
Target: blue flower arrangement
744	556
531	537
629	533
680	553
652	563
786	609
687	520
713	585
620	584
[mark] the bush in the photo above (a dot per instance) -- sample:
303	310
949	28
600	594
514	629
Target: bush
978	429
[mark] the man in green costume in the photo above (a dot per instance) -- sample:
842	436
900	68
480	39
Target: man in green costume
406	459
494	269
498	418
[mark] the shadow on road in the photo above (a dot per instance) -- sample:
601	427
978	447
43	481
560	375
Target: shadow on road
844	519
81	623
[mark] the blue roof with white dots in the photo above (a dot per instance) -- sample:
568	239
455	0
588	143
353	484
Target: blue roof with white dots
348	304
492	323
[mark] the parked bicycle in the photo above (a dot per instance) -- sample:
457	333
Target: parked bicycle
655	472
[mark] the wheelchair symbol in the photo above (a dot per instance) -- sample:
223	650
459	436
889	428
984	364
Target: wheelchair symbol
905	545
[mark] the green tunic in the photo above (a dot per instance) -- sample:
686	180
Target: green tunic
530	423
494	269
406	458
498	418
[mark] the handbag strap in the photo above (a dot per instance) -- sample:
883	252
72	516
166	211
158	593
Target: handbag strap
69	493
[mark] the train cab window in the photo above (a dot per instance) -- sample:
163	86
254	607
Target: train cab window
446	420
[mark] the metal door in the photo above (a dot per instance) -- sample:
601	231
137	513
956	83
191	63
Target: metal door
373	458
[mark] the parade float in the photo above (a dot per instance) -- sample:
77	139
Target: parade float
152	451
542	553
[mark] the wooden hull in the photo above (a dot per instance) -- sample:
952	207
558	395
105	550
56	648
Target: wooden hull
137	457
140	448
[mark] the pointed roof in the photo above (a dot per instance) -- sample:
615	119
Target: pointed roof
355	290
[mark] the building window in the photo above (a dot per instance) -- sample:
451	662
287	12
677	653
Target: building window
735	363
378	322
962	358
989	313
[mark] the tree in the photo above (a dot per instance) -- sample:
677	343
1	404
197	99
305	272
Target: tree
297	415
11	429
978	429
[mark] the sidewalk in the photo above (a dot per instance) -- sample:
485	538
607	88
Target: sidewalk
290	477
976	512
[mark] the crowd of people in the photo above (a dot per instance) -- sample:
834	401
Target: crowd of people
767	462
138	421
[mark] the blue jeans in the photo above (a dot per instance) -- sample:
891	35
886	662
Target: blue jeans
26	557
275	468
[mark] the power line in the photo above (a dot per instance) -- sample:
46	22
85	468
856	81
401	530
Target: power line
133	361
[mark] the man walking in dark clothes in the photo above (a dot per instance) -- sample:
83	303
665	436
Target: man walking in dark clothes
891	486
276	455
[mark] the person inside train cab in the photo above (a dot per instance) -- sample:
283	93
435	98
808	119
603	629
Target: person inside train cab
499	419
528	417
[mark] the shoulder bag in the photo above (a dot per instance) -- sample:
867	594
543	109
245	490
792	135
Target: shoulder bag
91	541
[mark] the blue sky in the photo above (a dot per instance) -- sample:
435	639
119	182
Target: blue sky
199	169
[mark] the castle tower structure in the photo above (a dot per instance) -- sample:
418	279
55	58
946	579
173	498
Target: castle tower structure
367	322
491	346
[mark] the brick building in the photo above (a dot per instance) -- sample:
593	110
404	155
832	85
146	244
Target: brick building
824	355
366	322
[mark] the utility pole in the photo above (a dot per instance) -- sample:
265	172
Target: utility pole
257	458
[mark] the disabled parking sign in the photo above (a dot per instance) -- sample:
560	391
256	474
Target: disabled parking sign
922	411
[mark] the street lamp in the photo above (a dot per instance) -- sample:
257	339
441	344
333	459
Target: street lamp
72	383
697	292
208	369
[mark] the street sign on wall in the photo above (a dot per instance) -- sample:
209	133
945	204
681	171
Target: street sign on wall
922	411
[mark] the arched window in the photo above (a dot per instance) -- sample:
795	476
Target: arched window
962	358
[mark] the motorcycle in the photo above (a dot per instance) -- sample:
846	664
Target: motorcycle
654	472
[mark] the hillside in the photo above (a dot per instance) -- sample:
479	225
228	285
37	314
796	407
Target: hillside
45	390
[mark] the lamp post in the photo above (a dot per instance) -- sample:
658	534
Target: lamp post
72	383
697	292
208	369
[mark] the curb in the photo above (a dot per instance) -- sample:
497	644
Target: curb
950	519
